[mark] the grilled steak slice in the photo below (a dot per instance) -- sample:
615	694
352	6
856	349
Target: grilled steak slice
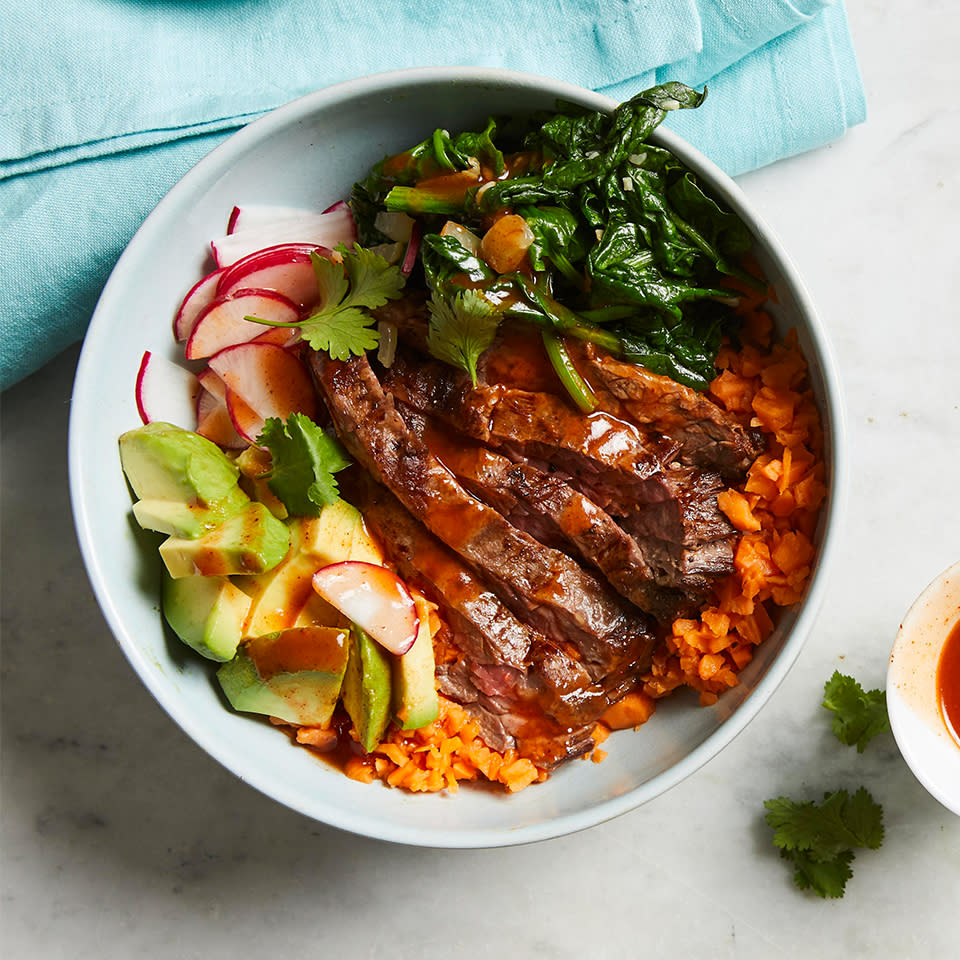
689	518
708	436
554	512
489	695
544	587
611	460
688	568
687	539
525	692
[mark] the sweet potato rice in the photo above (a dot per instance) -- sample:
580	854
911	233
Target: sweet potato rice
764	384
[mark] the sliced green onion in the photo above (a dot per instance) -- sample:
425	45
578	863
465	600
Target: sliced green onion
580	391
413	200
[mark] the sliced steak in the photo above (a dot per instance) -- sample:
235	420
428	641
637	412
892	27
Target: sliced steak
543	586
689	518
524	691
554	513
612	461
688	540
508	721
708	436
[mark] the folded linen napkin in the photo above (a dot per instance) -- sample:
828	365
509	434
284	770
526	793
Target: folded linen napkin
115	100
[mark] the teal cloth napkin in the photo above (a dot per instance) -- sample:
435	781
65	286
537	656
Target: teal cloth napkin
105	104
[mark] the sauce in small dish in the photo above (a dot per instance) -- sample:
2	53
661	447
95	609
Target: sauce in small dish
948	682
923	688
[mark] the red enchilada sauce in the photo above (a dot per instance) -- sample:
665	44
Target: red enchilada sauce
948	682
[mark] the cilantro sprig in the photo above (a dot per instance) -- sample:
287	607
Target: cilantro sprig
461	328
858	715
341	324
820	839
305	459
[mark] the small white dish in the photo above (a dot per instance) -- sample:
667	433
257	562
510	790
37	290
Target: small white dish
930	749
309	153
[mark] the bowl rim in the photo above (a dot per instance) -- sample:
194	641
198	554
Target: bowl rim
391	81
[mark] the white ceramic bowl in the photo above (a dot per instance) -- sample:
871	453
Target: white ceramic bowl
309	153
931	751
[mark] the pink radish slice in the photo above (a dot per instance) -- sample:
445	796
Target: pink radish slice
281	336
247	423
222	323
214	422
374	598
232	221
410	257
166	392
321	229
194	303
286	268
212	383
267	378
253	215
338	206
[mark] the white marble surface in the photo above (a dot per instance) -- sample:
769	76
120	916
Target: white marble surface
121	838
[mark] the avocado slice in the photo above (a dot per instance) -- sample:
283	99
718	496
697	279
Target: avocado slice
249	542
294	675
206	613
188	520
339	534
415	700
164	462
367	688
280	595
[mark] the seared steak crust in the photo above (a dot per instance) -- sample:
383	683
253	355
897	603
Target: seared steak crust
555	513
669	510
541	585
546	537
707	435
525	691
612	461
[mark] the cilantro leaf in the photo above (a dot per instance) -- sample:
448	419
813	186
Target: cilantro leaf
858	716
373	281
305	458
342	334
340	323
461	329
819	839
826	878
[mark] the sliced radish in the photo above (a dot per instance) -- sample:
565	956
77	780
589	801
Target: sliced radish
339	206
320	229
222	323
374	598
212	383
253	215
286	268
194	303
232	220
214	421
267	378
413	247
247	423
281	336
166	392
